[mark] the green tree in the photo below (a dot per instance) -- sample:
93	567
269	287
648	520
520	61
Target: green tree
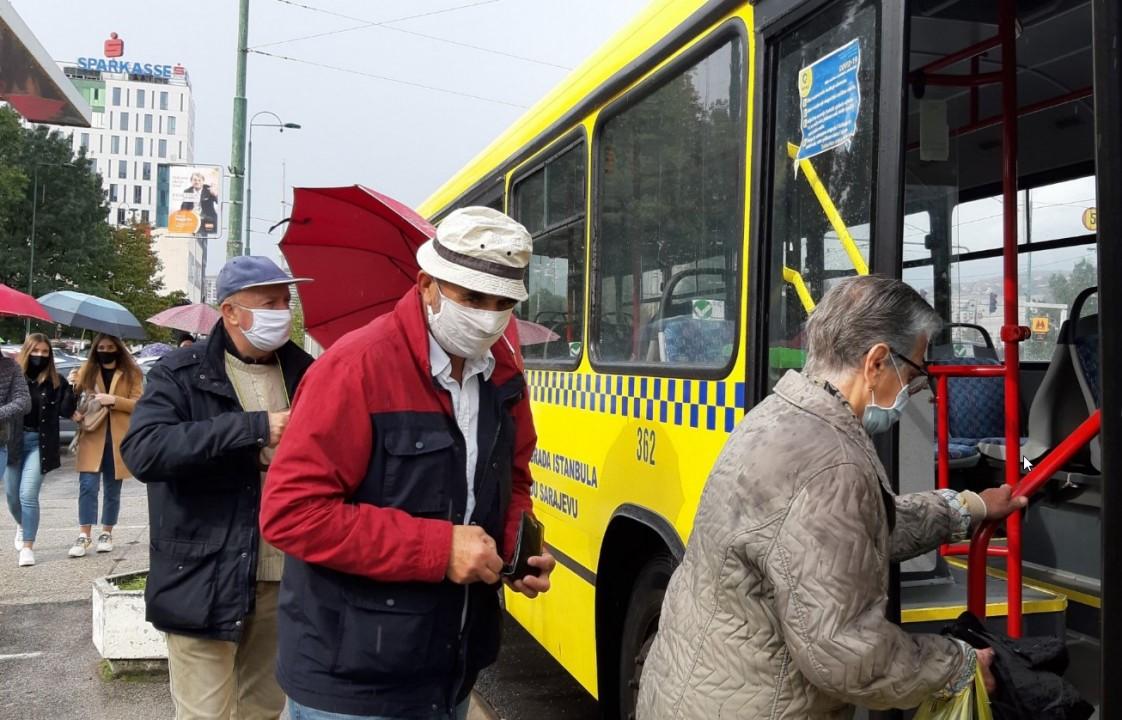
132	278
1065	287
71	235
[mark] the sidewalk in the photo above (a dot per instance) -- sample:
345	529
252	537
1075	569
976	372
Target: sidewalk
49	668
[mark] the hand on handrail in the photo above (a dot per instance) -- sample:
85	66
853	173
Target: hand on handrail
1000	502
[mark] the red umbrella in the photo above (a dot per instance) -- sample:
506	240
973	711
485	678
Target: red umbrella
13	302
360	248
196	318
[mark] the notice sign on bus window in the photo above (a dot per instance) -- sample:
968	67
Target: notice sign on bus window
1040	324
830	98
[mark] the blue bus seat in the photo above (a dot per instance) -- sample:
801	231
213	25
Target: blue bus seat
686	339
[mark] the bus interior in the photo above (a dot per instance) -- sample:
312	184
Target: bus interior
957	219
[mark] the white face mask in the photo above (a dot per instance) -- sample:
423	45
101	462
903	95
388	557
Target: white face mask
466	332
270	328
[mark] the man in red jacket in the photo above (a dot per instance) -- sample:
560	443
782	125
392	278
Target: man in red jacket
400	488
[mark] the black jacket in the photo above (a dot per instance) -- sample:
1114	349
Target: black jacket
1029	674
54	402
197	450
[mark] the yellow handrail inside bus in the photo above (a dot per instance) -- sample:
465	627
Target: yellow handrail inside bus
792	277
831	211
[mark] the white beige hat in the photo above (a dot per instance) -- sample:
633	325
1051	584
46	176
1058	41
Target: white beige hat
481	249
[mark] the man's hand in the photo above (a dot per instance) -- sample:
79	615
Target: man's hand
474	557
999	505
532	586
106	399
985	662
278	421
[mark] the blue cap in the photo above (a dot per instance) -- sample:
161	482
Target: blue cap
249	271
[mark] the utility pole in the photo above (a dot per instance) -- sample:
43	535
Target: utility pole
237	146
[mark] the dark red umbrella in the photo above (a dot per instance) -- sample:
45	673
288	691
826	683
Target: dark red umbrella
13	302
360	248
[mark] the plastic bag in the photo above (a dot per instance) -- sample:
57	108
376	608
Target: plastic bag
971	703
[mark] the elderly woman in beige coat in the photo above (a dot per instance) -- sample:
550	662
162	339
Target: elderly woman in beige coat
109	377
778	609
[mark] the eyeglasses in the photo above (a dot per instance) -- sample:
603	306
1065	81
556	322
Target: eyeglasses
922	380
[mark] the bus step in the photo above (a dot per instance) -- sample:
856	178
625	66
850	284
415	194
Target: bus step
929	608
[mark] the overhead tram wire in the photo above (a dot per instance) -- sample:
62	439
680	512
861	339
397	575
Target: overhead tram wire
385	78
387	25
365	23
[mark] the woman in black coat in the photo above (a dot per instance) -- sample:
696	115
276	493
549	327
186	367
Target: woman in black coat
33	443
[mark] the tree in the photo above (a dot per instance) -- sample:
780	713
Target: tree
1065	288
71	234
133	278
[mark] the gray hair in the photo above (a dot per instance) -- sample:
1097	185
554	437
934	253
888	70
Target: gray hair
860	312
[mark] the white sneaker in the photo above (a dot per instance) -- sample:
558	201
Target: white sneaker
80	546
26	557
19	538
104	543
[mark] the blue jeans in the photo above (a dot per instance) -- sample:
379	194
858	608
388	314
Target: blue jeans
22	482
296	711
87	492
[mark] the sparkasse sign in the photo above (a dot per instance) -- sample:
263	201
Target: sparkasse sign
114	48
124	66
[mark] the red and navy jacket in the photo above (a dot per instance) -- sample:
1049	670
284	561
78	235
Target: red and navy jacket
362	495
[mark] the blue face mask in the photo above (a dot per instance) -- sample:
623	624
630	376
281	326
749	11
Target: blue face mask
877	419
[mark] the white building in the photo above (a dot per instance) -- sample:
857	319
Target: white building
184	260
143	116
210	289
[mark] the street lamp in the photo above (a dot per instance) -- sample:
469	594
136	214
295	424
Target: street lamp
34	218
282	126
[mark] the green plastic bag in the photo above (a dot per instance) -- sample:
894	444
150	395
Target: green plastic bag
971	703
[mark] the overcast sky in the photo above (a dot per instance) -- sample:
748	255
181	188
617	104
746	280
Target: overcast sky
397	138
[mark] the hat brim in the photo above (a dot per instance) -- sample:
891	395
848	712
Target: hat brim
447	271
268	283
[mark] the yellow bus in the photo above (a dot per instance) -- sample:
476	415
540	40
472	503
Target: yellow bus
699	182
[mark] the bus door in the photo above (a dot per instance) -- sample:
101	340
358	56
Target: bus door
1107	48
828	164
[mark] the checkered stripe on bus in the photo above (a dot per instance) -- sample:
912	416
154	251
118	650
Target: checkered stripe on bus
700	404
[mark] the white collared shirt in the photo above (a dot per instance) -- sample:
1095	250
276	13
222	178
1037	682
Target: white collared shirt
465	406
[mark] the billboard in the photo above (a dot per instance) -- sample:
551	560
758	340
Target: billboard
188	202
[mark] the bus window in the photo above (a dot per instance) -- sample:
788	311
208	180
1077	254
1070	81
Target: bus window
550	202
667	253
1063	210
1050	278
821	204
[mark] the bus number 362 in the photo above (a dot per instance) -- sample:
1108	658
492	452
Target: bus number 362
645	447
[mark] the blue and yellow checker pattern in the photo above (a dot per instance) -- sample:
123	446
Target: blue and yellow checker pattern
715	405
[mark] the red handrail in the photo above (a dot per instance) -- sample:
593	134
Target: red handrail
1029	485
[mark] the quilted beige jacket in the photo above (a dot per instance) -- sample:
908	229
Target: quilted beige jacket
778	609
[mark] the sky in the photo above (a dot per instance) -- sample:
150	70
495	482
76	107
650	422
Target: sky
397	138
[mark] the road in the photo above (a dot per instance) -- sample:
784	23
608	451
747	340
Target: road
49	669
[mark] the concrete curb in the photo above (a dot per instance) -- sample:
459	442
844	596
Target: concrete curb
481	709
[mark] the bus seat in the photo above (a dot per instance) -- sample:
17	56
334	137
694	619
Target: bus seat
686	339
1067	395
961	456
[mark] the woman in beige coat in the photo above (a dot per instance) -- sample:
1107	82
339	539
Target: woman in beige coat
109	379
778	609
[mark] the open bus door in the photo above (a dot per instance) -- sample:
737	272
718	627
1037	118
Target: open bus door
1108	129
851	210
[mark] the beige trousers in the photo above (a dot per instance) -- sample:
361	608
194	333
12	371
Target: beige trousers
220	680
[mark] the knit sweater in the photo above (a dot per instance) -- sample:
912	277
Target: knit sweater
261	388
15	401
